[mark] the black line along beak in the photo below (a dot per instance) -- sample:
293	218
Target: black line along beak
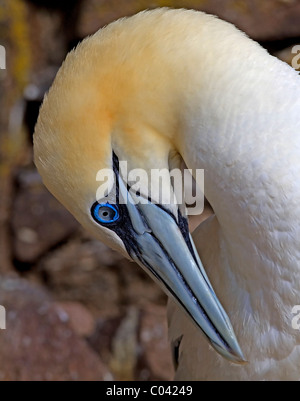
165	249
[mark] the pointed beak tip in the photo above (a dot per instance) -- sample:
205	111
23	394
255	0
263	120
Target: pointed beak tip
238	356
234	356
239	359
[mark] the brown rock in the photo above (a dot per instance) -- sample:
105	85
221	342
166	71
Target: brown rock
80	318
155	359
12	80
137	287
135	345
125	346
81	271
87	271
262	20
102	338
39	221
39	343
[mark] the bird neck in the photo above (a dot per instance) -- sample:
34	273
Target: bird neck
246	138
248	143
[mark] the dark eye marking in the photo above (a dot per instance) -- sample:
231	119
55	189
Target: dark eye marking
105	213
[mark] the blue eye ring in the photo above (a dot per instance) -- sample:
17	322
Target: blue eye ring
110	213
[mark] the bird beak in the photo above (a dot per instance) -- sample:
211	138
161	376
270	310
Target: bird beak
164	247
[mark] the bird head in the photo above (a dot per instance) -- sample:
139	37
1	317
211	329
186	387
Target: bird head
117	100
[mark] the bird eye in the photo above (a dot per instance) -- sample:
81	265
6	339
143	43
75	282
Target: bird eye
105	213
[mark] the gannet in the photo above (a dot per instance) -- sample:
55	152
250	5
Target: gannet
170	85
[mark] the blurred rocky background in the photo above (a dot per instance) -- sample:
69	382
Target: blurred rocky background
75	309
